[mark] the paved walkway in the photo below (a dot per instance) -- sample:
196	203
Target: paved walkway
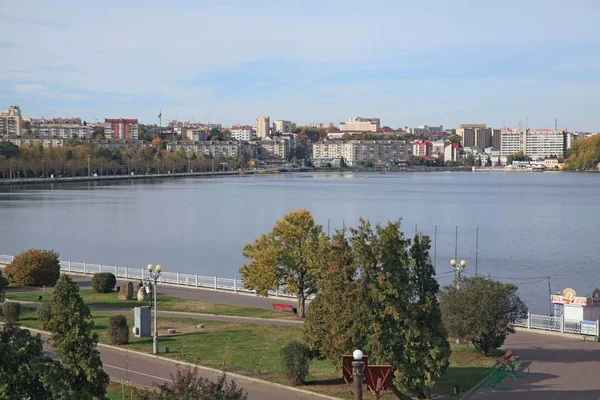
123	365
560	369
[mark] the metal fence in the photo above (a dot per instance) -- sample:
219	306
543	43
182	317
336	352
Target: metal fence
559	324
175	278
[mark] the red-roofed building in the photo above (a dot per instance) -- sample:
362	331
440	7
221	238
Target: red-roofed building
452	152
422	148
121	128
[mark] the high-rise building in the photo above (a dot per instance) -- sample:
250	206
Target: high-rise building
11	121
496	139
358	124
282	126
424	129
120	128
239	132
263	127
475	135
537	144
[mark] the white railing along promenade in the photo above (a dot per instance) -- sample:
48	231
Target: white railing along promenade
560	324
176	278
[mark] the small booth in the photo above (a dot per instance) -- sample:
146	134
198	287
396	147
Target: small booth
576	308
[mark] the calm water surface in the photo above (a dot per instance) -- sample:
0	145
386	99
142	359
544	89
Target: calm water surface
530	225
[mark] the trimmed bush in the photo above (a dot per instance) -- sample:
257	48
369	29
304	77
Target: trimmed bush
11	312
34	268
104	282
295	359
118	330
44	313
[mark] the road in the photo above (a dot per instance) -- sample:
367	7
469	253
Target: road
561	368
140	370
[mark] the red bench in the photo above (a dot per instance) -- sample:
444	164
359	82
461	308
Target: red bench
284	308
508	357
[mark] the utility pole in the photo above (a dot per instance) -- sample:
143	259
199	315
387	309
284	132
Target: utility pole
456	243
476	249
550	295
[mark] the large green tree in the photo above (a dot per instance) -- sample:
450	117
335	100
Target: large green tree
72	338
584	154
292	256
482	311
3	286
25	372
379	295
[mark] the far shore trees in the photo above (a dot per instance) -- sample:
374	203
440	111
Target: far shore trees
293	256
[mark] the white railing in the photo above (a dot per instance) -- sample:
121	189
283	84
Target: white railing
176	278
559	324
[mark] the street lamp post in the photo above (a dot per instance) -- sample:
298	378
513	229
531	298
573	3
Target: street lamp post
357	374
154	276
458	269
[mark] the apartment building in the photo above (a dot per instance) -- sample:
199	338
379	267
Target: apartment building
475	135
239	132
229	149
276	147
496	139
263	127
452	152
64	131
30	141
356	152
537	144
319	125
438	147
511	142
542	143
422	148
121	128
282	126
424	130
11	122
359	124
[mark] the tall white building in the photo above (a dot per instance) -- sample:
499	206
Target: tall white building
357	152
11	122
537	144
424	129
263	127
239	132
359	124
282	126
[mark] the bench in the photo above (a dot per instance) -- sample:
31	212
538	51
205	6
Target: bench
284	307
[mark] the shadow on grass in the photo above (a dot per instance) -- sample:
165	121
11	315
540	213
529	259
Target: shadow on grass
326	382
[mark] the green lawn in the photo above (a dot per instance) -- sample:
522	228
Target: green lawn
122	391
166	303
226	346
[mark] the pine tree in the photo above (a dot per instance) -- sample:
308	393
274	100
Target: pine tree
427	349
74	342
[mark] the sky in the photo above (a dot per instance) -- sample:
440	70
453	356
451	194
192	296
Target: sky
409	63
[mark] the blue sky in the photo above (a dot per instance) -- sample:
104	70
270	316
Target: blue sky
406	62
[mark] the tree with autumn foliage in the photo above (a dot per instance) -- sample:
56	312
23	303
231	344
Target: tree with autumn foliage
34	268
292	256
379	294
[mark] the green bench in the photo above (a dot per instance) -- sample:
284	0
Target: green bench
504	374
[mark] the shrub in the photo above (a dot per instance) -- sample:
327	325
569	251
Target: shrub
44	313
118	330
295	359
11	312
34	268
104	282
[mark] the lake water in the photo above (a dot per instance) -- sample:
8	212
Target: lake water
531	225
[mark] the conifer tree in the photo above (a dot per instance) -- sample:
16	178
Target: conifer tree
74	342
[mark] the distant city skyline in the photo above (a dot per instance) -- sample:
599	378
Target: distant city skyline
407	63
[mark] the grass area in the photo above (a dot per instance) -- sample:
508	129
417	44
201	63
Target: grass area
166	303
226	345
123	391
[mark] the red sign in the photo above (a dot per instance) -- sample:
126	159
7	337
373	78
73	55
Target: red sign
347	367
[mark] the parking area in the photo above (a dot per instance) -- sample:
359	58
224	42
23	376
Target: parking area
560	368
